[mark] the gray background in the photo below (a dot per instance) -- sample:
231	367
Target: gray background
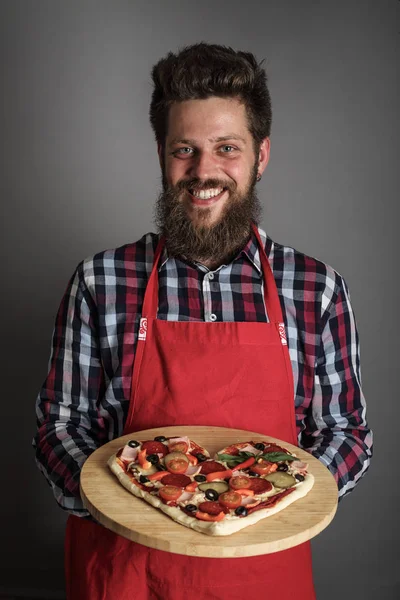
80	174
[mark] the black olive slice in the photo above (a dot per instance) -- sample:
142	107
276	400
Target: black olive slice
160	438
143	479
191	508
133	443
259	446
211	495
241	511
299	477
282	467
200	478
201	457
153	459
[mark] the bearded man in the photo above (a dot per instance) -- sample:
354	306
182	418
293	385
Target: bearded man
213	289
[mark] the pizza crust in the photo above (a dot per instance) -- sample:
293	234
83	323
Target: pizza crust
231	524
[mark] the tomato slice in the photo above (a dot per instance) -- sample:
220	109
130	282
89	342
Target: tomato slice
170	493
179	447
264	467
230	499
239	482
177	465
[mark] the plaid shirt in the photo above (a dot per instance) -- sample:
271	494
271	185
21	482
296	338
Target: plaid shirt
84	400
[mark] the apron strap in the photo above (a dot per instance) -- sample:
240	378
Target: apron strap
271	296
150	303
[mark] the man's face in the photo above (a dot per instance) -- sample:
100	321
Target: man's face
209	157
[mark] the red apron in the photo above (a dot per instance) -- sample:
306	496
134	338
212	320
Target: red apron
228	374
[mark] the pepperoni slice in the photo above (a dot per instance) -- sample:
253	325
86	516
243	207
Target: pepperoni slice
211	508
153	447
176	479
270	502
259	485
211	466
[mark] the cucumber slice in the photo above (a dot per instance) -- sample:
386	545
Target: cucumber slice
281	480
218	486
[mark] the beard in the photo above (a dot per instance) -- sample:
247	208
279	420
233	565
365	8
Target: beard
200	241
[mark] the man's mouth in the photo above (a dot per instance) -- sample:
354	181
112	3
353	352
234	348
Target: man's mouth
207	196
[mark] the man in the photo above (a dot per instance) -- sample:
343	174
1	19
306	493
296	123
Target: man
214	291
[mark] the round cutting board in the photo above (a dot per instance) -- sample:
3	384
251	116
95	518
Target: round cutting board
119	510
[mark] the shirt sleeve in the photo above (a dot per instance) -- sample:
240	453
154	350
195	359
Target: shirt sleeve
69	424
337	424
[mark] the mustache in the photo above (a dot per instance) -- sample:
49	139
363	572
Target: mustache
197	185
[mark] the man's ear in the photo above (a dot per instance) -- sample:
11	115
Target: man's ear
263	154
160	152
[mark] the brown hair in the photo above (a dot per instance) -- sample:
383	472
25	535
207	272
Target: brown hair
202	70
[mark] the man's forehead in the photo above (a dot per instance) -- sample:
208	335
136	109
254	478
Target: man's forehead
213	119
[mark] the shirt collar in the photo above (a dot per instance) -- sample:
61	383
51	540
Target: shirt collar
251	251
163	259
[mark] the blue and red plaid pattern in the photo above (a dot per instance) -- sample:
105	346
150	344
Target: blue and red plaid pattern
84	400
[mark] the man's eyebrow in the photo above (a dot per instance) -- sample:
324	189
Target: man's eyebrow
224	138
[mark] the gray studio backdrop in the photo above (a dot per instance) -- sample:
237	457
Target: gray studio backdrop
80	174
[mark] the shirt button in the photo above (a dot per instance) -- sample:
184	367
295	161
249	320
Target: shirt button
211	276
213	317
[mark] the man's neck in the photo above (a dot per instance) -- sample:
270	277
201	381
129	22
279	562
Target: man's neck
211	264
214	263
218	256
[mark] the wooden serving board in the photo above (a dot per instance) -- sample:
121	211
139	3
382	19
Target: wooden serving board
117	509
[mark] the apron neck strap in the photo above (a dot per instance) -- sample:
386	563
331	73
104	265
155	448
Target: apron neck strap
150	304
271	297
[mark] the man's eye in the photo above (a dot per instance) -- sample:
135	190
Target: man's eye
183	151
227	149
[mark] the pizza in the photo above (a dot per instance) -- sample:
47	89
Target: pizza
240	485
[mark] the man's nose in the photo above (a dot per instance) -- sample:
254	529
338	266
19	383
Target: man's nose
204	166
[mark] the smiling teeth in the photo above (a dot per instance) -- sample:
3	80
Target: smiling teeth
207	194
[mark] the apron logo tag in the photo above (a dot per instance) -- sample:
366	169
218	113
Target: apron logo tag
282	333
142	329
